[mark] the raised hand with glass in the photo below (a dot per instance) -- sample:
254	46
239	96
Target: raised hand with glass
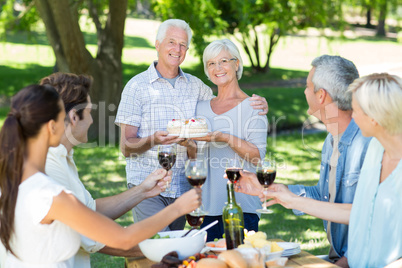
167	158
233	168
266	173
196	173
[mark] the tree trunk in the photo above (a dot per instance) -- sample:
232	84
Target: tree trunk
368	18
381	19
143	7
273	40
67	41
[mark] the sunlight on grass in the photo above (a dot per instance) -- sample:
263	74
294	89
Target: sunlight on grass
116	178
11	54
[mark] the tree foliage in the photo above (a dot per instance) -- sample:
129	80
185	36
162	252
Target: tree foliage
256	24
62	21
202	16
378	9
17	16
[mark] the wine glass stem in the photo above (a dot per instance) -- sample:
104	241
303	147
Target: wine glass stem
198	210
264	205
167	189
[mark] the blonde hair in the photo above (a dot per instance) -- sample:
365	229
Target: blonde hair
380	97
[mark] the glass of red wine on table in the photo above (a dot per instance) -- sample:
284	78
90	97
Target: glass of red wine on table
266	173
167	158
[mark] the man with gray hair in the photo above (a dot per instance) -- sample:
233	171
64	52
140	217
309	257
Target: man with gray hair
344	148
149	101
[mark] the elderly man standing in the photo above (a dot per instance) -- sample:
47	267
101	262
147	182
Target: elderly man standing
148	102
343	151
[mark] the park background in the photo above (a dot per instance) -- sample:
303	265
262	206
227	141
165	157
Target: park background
26	55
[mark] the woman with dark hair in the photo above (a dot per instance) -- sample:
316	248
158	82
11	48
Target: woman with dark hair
40	218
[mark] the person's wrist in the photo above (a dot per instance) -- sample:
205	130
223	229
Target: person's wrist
224	137
139	191
177	209
295	202
192	145
140	188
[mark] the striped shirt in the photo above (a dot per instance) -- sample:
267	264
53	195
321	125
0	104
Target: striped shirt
149	102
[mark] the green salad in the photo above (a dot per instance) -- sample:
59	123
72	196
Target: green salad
157	236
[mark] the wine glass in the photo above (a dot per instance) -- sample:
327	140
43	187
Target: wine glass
233	168
195	220
196	173
167	158
266	173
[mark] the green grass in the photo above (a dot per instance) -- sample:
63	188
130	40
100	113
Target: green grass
298	158
102	170
287	106
3	114
14	77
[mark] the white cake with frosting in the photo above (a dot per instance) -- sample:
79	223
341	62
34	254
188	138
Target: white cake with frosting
187	126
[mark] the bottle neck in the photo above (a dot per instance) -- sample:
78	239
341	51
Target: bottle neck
231	193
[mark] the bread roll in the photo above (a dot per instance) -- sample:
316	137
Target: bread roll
211	262
233	259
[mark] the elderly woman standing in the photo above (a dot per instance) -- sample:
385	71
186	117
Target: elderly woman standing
375	218
237	131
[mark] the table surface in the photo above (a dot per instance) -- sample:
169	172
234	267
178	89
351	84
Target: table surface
303	259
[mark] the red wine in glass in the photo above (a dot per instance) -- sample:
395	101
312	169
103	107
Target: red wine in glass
196	181
195	220
196	171
167	160
266	174
233	174
266	177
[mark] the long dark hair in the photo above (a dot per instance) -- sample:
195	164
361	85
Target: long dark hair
31	107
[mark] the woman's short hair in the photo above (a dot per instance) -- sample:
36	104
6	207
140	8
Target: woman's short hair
380	97
216	47
73	89
334	74
181	24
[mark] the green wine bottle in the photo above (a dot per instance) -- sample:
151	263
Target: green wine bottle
233	222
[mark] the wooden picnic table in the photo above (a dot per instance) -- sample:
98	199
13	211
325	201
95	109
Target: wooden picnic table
303	259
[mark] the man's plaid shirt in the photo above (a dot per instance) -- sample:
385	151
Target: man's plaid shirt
149	102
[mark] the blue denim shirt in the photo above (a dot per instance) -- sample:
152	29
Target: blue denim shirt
352	148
